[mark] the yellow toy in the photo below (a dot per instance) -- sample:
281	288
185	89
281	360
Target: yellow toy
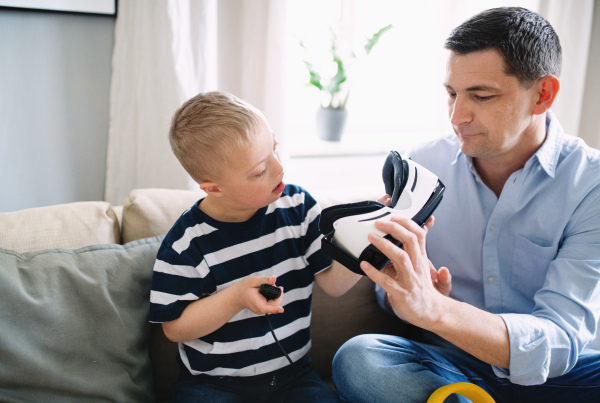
468	390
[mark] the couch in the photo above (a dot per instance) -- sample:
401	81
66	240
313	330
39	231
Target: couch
74	290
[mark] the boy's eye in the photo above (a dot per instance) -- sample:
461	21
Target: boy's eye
261	174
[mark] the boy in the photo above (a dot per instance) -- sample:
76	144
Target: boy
250	229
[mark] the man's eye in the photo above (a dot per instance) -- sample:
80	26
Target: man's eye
481	98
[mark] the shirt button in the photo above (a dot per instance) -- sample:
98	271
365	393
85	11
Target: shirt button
491	280
492	227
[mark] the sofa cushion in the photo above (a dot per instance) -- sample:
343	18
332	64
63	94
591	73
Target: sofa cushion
151	212
74	323
338	319
72	225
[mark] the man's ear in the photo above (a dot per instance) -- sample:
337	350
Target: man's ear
211	188
546	87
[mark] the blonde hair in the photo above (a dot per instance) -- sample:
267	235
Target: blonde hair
207	128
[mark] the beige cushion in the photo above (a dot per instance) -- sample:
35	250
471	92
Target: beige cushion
68	226
336	320
151	212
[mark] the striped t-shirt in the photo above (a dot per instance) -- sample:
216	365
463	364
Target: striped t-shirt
201	256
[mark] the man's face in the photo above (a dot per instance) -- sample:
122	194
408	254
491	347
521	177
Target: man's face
490	112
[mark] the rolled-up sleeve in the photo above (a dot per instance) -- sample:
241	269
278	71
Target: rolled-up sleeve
547	342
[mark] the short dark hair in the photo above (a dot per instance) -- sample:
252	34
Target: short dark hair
526	41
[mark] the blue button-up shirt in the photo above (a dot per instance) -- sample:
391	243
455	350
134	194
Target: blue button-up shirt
531	255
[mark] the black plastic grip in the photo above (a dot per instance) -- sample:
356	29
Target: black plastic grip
269	292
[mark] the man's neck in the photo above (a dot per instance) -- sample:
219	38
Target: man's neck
494	172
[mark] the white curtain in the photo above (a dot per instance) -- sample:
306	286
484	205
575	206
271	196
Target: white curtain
252	56
572	21
589	128
166	52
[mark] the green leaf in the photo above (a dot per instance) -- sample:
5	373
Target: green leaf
371	42
315	77
340	77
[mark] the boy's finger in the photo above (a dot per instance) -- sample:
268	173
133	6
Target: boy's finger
268	280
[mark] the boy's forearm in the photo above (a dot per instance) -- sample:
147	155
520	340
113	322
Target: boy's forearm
203	316
337	279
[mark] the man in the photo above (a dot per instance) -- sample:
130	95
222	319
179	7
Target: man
518	229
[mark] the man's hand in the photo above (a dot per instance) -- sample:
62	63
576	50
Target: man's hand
418	295
408	281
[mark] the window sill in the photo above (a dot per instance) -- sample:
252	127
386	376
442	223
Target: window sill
310	146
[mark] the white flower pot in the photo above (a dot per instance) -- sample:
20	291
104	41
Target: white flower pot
330	123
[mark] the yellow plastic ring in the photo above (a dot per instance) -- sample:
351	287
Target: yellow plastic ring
469	390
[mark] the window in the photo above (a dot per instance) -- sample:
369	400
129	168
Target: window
396	96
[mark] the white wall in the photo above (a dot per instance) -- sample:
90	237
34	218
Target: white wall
54	94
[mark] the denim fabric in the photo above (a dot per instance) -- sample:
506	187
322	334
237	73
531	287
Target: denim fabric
274	387
381	368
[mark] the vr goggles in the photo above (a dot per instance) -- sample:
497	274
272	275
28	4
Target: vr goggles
415	193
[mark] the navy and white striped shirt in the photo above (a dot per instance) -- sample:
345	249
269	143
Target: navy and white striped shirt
201	256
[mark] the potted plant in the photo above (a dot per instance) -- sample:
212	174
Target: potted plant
335	87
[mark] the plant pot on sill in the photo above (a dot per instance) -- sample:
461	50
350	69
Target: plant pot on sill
330	123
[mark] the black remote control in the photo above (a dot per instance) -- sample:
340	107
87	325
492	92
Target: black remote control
269	291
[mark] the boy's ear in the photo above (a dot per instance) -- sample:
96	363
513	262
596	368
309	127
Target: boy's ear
547	87
211	188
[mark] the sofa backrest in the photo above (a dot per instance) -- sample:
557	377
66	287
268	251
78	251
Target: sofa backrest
69	226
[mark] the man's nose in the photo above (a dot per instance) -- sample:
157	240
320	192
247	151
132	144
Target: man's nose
460	111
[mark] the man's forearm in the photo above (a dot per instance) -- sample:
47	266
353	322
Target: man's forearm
481	334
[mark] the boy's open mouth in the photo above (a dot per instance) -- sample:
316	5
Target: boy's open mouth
279	188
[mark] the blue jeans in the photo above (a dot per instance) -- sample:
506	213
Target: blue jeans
276	386
381	368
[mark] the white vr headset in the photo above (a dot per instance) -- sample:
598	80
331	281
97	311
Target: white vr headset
415	193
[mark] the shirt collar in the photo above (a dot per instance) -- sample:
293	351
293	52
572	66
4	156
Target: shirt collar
547	155
469	160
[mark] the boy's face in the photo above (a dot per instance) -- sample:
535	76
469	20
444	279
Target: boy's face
254	176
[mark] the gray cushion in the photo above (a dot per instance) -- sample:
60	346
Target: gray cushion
74	323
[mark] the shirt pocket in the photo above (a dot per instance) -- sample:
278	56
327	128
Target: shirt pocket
530	265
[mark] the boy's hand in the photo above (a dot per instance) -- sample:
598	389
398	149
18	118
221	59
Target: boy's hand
385	199
254	300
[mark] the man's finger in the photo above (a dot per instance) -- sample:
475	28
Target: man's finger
406	231
378	277
444	280
395	254
430	222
